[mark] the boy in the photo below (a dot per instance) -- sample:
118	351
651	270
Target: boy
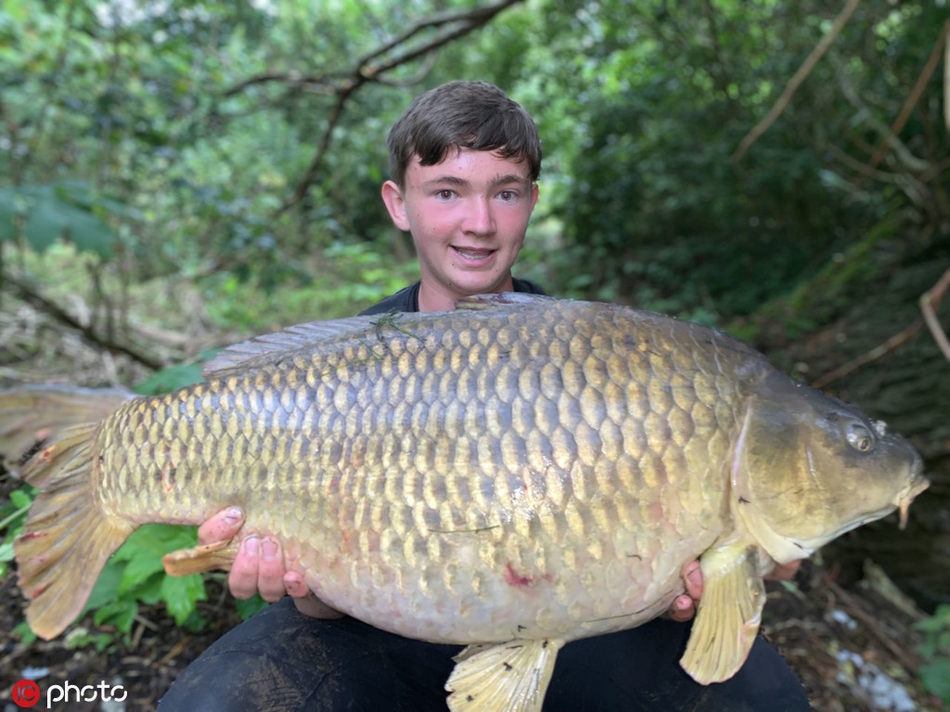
465	160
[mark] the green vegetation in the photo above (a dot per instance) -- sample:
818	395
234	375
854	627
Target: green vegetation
935	672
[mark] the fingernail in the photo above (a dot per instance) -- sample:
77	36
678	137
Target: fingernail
696	575
270	549
233	515
251	545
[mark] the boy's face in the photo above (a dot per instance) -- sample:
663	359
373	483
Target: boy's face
468	216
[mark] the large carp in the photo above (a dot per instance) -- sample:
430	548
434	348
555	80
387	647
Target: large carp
515	474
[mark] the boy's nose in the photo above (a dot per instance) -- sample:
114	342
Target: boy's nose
480	219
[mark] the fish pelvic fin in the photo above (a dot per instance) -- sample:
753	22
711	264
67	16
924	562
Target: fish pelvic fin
729	615
509	676
207	557
67	538
32	415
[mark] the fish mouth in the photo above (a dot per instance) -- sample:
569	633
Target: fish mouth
904	499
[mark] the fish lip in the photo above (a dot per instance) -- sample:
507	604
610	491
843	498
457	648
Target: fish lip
903	500
916	483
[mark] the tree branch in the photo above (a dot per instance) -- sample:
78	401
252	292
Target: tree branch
24	292
929	301
913	97
796	81
344	85
904	154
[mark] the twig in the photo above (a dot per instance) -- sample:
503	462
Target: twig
903	153
912	98
946	83
907	658
24	292
303	185
819	50
929	301
872	355
455	24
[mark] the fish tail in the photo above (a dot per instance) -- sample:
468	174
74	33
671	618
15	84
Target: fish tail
31	415
67	538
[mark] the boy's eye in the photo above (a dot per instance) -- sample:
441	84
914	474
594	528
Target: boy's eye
445	194
508	195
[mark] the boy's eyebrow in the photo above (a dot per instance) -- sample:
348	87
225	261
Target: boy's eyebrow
505	179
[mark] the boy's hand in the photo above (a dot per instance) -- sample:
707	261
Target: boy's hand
259	565
684	606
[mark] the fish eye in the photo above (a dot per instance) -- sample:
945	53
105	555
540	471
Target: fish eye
859	437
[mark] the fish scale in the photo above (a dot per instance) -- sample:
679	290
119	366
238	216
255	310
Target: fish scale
521	469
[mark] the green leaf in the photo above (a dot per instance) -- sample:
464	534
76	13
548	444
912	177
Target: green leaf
120	613
250	606
170	379
106	588
936	677
22	497
181	593
50	218
8	212
138	570
24	633
56	210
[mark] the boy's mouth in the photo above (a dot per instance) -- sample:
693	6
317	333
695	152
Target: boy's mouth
473	253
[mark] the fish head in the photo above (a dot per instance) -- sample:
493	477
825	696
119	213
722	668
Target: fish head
808	467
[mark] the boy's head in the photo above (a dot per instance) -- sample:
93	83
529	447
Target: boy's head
463	114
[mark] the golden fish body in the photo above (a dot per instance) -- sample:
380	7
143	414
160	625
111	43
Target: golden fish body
520	469
456	478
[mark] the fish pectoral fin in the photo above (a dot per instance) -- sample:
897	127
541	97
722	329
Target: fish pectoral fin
509	676
729	614
207	557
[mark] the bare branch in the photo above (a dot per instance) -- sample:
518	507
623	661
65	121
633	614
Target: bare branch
337	82
454	25
913	97
929	301
476	17
796	81
872	355
904	154
310	176
24	292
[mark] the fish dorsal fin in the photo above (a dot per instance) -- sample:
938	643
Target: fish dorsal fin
729	614
266	349
491	301
508	676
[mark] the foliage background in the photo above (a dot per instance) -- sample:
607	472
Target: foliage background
177	175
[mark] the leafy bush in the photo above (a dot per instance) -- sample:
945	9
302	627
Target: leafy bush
935	672
12	518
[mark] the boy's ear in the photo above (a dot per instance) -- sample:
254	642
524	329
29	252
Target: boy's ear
395	204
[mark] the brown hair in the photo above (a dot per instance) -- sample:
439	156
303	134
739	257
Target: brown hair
463	114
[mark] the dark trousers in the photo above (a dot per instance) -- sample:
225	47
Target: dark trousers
283	661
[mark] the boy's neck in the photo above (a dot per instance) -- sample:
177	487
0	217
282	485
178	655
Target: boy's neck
435	299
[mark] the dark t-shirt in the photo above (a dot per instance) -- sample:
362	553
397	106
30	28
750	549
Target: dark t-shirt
407	299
